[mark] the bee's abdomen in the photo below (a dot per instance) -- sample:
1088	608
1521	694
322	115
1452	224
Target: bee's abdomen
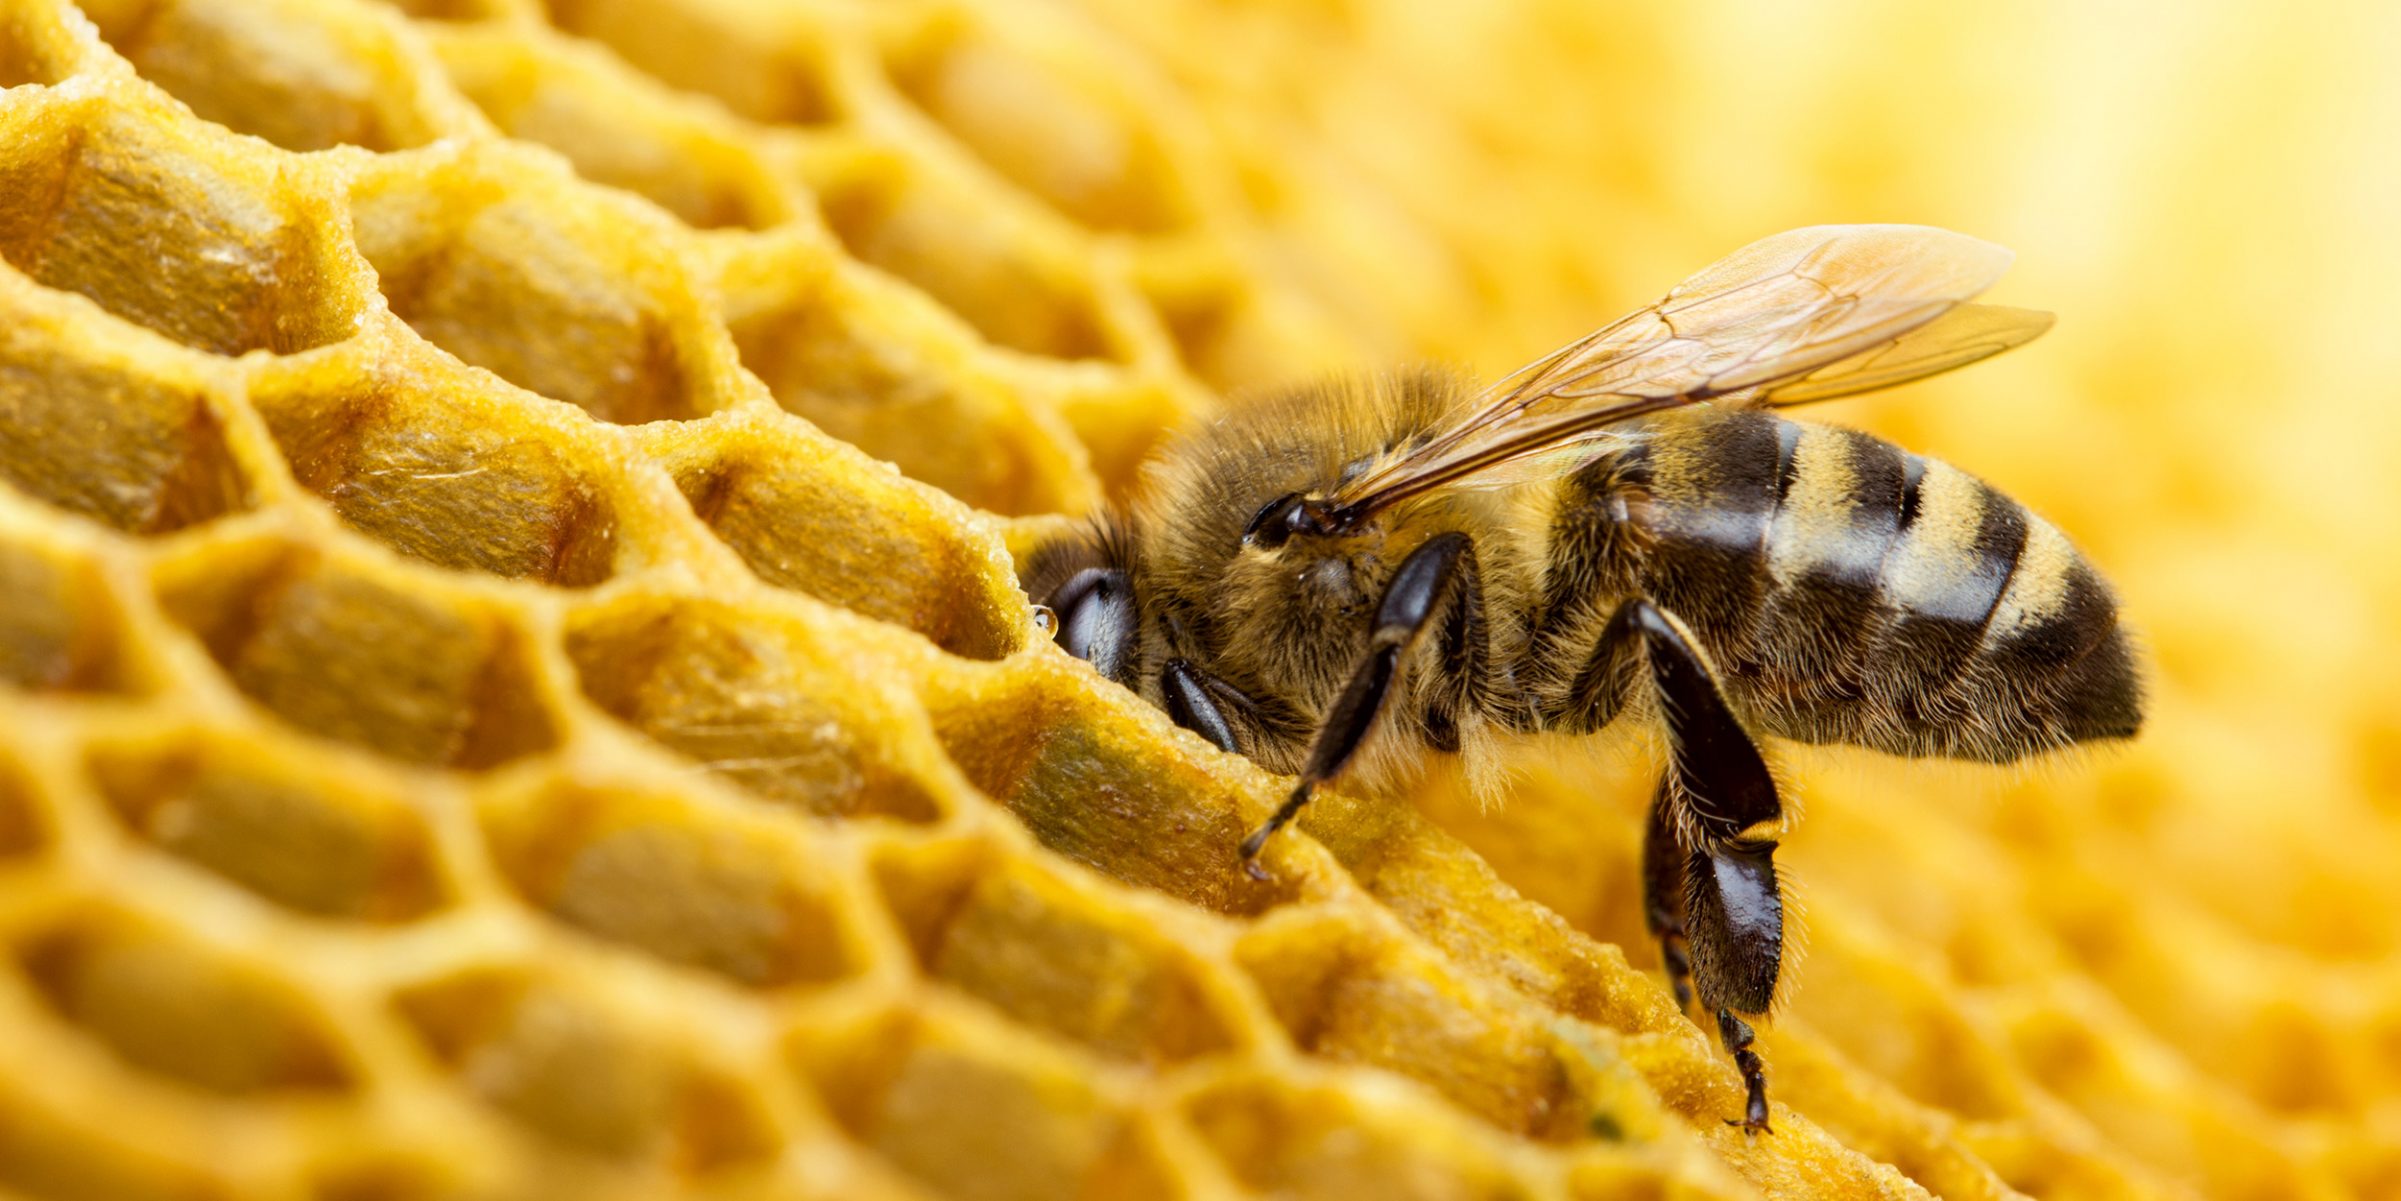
1852	592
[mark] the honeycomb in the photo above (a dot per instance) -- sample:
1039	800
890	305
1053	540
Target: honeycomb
512	681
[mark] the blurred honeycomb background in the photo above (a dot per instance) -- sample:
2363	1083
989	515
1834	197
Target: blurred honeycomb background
515	686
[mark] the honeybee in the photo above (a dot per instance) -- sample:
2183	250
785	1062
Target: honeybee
1339	581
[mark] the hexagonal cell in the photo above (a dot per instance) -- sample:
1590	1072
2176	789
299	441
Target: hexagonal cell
762	61
1053	956
170	1008
1282	1139
2086	1055
1237	338
1119	418
1201	323
34	47
436	463
411	673
59	631
1102	790
874	363
1045	120
804	516
163	227
367	1172
1356	994
617	127
672	878
68	1153
576	1075
1490	914
515	268
88	425
761	700
306	835
972	1108
303	76
981	264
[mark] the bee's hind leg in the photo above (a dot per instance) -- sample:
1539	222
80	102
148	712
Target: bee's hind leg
1718	806
1737	938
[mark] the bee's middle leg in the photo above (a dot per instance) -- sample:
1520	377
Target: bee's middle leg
1430	576
1663	895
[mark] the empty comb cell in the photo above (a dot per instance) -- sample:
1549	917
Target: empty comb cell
98	428
760	700
1030	945
993	269
342	654
618	128
875	364
721	892
1165	824
568	296
169	227
39	47
766	62
1296	1139
440	465
307	835
59	630
581	1077
57	1153
804	517
180	1012
301	76
964	1105
1100	158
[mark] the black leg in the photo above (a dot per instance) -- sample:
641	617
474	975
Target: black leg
1718	805
1723	781
1410	603
1736	1034
1737	939
1192	700
1663	895
1734	922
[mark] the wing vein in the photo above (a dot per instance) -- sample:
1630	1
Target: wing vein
1807	315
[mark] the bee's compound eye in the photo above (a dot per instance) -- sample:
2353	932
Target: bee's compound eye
1046	621
1096	621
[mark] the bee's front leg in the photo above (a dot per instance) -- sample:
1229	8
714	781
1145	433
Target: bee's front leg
1718	804
1423	582
1198	702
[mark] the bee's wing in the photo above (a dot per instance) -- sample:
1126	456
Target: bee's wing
1806	315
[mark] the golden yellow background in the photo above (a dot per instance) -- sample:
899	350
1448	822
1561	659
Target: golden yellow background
474	726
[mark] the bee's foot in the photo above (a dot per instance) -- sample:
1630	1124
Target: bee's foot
1251	867
1738	1038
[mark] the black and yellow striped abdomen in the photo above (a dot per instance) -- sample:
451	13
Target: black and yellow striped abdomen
1852	592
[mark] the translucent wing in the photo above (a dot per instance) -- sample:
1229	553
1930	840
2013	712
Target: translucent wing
1806	315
